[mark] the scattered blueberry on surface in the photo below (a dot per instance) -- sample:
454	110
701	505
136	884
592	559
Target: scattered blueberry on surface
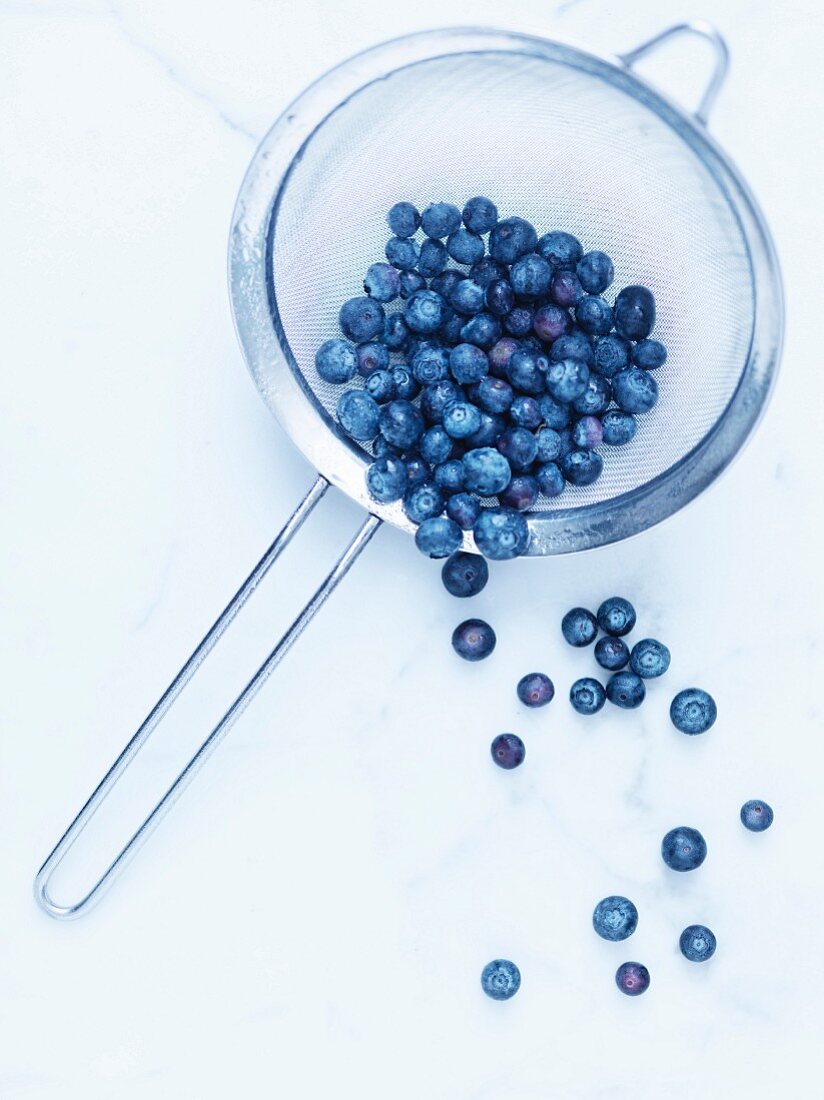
615	918
587	695
473	639
500	979
579	627
697	943
632	978
611	653
756	815
616	616
683	849
465	575
693	711
626	690
649	658
535	689
508	751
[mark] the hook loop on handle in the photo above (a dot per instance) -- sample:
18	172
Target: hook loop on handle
722	58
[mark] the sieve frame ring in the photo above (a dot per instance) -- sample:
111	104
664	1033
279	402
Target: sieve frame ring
279	380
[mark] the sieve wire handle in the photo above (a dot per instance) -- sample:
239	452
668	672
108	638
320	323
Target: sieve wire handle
704	30
155	716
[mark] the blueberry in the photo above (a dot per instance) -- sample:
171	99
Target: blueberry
596	397
588	433
438	537
440	219
615	918
381	385
486	471
555	414
424	311
467	297
626	690
500	979
574	345
500	354
535	689
616	616
634	390
417	472
402	253
562	250
411	282
336	361
483	330
473	639
511	239
432	259
619	427
548	444
525	412
494	395
594	315
501	534
422	502
446	282
567	379
487	270
380	448
521	493
550	479
519	447
382	282
464	508
489	432
449	476
358	414
649	354
697	943
565	289
395	333
519	321
401	424
386	479
405	385
595	271
649	658
465	575
611	354
634	312
530	276
550	322
468	363
632	978
403	219
429	364
611	653
465	247
371	356
436	397
693	711
480	214
579	627
527	371
461	419
587	695
756	815
436	445
508	751
499	297
683	849
361	318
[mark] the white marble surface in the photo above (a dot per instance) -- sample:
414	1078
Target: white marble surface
312	919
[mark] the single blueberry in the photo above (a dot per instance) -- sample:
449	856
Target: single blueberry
596	397
556	415
594	315
525	412
467	297
649	658
358	414
486	471
615	918
634	390
756	815
519	447
411	282
616	616
511	239
626	690
483	330
468	363
465	575
595	271
611	653
500	354
530	275
440	219
499	297
465	247
697	943
380	448
432	259
495	395
405	385
634	312
535	689
508	751
464	508
579	627
561	249
550	322
382	282
489	432
693	711
417	472
336	361
395	333
527	371
567	379
386	479
381	385
446	282
588	433
473	639
403	219
361	318
565	289
611	354
587	695
574	345
371	356
550	479
423	502
480	214
460	419
402	253
449	476
632	978
450	330
548	444
401	424
436	445
487	270
501	534
521	493
649	354
437	396
500	979
683	849
429	364
519	321
438	537
424	311
619	427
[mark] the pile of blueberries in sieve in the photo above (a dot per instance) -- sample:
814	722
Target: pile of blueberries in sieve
499	377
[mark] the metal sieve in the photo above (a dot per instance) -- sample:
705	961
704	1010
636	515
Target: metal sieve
562	137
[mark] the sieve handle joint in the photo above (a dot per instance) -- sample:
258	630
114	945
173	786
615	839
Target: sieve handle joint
722	58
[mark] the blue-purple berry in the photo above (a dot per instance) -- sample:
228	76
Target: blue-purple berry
615	918
423	502
618	427
551	322
499	297
486	471
438	537
500	979
611	653
464	508
361	318
439	219
649	658
596	272
403	219
632	978
358	414
382	282
465	575
386	479
402	253
508	751
371	356
634	312
626	690
464	246
432	258
561	249
697	943
693	711
565	289
521	494
501	534
649	354
579	627
424	311
594	315
616	616
480	214
473	639
535	689
550	479
567	379
634	390
683	849
756	815
611	354
510	239
449	476
401	424
581	467
587	695
336	361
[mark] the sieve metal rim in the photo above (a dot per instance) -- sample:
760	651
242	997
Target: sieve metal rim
279	381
